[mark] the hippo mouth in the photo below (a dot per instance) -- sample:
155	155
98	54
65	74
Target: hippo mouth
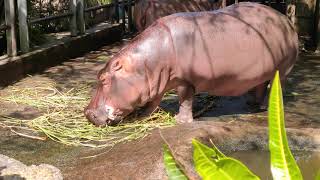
113	122
100	117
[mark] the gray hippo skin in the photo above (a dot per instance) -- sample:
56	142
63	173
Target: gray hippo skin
147	11
227	52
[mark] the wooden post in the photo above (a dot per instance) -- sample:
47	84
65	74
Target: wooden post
116	10
80	17
130	15
73	19
316	27
123	15
224	3
23	26
11	32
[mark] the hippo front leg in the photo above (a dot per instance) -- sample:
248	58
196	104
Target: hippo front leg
151	106
185	93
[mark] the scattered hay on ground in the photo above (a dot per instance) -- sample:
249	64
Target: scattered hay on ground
62	118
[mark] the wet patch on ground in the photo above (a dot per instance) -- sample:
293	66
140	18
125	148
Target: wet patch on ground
259	162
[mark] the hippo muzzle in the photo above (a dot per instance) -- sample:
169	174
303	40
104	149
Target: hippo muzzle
102	116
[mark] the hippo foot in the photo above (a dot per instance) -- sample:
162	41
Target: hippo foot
183	118
256	107
263	107
253	108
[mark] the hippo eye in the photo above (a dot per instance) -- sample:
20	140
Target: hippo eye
116	66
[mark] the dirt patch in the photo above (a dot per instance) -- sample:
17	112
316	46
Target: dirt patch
143	159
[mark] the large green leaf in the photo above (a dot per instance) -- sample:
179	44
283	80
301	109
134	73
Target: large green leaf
173	171
210	165
283	165
202	159
219	154
318	175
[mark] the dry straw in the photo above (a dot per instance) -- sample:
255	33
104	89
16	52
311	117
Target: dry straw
62	118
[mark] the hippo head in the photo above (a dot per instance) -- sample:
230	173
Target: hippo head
121	88
135	76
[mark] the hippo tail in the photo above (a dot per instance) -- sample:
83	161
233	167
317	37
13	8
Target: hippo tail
295	49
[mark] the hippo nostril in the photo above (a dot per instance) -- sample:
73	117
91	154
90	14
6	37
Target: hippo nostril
94	116
90	114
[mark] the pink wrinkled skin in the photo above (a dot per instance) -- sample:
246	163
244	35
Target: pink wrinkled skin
227	52
148	11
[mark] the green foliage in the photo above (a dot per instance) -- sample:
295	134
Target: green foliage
283	165
97	2
202	158
318	175
218	152
41	8
212	164
173	171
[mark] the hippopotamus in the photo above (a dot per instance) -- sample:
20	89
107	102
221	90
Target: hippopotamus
148	11
227	52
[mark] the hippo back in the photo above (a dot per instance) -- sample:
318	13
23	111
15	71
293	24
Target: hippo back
148	11
241	45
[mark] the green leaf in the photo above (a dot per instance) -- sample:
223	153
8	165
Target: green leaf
219	154
221	168
235	169
209	152
283	165
318	175
172	169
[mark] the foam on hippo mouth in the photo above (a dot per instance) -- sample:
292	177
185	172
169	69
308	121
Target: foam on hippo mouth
112	117
110	112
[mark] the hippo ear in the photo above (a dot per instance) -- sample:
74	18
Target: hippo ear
105	78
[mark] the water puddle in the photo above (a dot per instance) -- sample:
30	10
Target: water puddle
259	162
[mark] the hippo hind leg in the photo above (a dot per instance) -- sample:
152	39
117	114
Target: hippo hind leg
259	96
264	104
185	93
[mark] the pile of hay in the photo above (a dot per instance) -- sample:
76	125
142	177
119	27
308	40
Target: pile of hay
62	118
